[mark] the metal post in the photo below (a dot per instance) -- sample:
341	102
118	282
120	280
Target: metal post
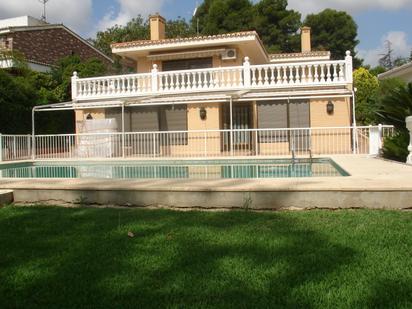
33	138
1	147
409	127
28	145
231	125
354	128
123	136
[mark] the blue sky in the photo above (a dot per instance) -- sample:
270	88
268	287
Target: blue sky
378	20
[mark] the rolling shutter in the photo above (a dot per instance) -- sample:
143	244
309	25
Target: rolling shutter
173	119
144	119
273	114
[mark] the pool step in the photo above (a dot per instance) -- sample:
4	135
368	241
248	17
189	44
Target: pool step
6	197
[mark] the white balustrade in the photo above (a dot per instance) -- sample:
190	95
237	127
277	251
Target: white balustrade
287	75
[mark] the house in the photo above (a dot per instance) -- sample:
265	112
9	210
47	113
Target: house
403	72
217	95
43	44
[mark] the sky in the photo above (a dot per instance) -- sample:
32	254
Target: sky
378	20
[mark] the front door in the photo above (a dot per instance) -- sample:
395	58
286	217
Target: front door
241	119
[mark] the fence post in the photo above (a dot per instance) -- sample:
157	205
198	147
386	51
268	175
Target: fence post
374	140
154	78
1	147
246	72
348	67
409	126
74	86
28	145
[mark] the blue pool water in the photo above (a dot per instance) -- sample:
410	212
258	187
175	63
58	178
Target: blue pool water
199	169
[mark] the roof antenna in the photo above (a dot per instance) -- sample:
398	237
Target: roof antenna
197	18
43	17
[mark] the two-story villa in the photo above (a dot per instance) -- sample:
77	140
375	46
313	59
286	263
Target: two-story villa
219	94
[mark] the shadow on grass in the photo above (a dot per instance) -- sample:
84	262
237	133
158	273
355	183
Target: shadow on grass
83	258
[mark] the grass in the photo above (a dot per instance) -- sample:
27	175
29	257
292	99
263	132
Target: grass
82	257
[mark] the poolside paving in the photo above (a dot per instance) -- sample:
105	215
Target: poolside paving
373	183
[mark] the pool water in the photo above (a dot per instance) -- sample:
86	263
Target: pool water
199	169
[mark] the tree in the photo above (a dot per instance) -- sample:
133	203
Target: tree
335	31
16	101
386	59
64	69
277	26
367	87
395	106
377	70
222	16
136	29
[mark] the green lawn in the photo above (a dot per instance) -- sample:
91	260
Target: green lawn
60	257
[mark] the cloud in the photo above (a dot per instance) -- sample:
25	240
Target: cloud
129	9
76	14
399	43
352	6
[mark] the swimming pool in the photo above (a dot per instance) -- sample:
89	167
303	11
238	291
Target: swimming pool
193	169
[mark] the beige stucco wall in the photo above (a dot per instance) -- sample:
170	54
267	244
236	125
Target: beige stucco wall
196	140
80	116
332	141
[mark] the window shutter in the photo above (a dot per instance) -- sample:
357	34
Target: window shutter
272	114
144	119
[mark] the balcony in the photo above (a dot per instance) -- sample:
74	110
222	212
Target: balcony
245	77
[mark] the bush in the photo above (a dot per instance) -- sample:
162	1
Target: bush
394	107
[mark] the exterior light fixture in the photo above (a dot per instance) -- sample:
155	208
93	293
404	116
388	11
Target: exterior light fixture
89	116
202	113
330	107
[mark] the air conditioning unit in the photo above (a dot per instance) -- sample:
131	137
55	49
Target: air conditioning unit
229	54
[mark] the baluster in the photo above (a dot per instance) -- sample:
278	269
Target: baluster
253	77
303	76
89	88
266	78
239	76
290	80
272	76
278	77
322	73
310	78
134	84
328	75
316	75
284	75
335	72
259	77
187	78
341	68
204	84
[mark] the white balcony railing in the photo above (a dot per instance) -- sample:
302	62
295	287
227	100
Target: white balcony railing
198	144
321	73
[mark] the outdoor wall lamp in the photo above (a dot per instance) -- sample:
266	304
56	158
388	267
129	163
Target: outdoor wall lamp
330	107
202	113
89	117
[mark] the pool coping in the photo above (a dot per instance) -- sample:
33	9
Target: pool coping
374	183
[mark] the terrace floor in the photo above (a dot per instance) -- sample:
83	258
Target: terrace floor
374	183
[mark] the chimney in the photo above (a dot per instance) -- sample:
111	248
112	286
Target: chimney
157	27
305	39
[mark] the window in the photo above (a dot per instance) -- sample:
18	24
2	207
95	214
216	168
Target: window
272	115
187	64
284	114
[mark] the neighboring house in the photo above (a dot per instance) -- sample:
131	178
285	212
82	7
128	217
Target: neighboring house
226	84
43	44
403	72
